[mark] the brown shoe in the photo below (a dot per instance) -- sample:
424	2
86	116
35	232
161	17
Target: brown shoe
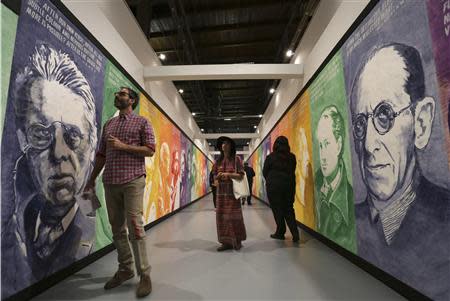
144	287
118	278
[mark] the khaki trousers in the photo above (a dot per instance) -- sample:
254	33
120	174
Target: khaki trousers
125	212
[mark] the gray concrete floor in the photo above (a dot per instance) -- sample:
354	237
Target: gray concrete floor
186	266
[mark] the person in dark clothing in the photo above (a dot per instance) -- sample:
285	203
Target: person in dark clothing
213	187
279	173
250	173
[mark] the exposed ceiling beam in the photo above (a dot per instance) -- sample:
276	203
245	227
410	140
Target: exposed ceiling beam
137	2
221	72
144	15
237	152
189	49
234	27
233	117
224	7
231	88
258	44
254	93
231	135
229	98
225	58
255	59
232	83
298	8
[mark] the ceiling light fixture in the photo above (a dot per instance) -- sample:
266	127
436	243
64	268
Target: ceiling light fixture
272	90
193	114
260	115
181	91
289	53
227	119
202	130
162	56
254	126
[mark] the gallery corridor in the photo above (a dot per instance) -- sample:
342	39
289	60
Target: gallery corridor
186	266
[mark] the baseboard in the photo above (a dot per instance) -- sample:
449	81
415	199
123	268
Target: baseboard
46	283
389	280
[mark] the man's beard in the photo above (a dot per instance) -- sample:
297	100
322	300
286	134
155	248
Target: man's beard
121	104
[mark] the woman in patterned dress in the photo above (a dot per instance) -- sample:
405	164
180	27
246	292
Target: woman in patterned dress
229	219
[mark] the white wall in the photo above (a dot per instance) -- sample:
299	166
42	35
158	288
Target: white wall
92	17
343	18
114	26
331	20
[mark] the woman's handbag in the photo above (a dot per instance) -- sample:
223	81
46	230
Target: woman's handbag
240	187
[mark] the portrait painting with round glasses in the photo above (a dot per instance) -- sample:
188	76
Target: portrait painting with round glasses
383	118
401	179
52	126
40	136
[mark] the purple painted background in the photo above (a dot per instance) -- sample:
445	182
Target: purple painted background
440	35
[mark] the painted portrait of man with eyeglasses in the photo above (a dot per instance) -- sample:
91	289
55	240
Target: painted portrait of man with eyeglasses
402	225
56	129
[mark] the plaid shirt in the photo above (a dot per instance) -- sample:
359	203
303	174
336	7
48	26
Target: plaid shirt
121	166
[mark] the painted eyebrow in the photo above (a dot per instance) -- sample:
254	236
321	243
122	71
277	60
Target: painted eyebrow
388	101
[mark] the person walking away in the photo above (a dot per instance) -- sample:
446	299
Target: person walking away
279	173
250	173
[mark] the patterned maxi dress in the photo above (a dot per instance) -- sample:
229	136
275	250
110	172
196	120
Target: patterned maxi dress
229	219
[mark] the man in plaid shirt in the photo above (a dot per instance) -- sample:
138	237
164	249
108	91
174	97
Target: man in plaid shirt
126	140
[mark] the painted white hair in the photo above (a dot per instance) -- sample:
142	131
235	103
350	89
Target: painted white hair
50	64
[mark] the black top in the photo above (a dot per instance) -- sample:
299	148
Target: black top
279	171
211	178
250	173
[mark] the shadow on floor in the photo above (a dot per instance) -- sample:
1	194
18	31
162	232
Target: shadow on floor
86	287
164	291
197	210
189	245
210	246
268	245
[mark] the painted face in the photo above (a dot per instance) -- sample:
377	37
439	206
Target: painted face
164	160
189	163
175	164
183	163
384	157
329	146
301	172
60	151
